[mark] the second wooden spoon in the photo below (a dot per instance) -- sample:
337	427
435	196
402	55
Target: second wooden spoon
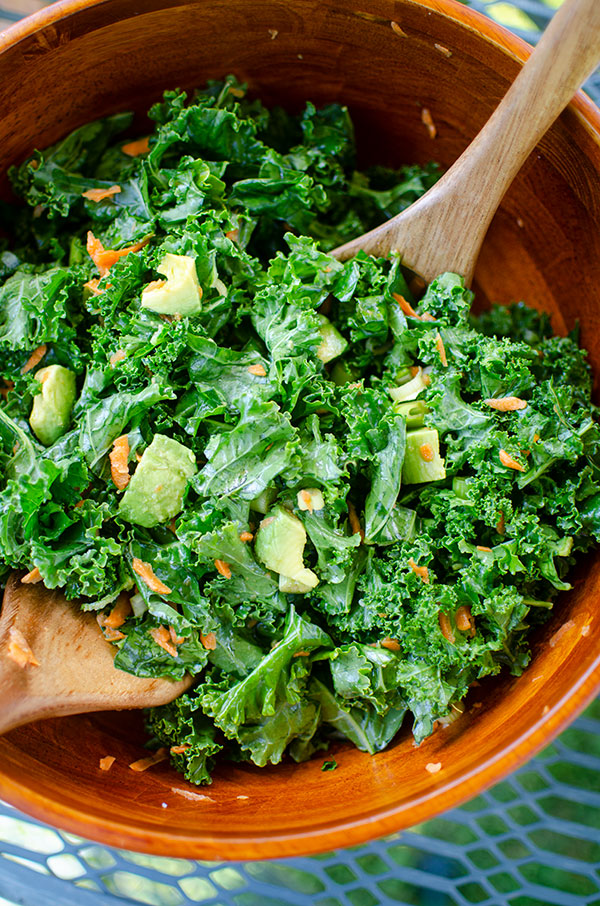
444	229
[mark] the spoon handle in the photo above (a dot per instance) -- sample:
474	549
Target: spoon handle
445	228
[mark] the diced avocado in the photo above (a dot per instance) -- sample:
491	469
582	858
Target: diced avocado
264	501
294	586
180	294
413	412
155	492
280	543
333	344
459	486
51	411
564	547
341	373
411	389
310	499
422	460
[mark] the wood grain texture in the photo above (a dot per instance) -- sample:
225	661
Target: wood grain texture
79	60
444	230
74	671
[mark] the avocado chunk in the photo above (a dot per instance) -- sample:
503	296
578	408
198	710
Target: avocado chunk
264	501
310	499
280	543
294	586
51	411
180	294
422	460
332	344
155	492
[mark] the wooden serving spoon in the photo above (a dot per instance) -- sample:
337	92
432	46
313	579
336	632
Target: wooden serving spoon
74	672
444	229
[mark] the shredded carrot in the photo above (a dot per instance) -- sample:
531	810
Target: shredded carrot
172	525
246	536
500	525
483	547
390	644
144	763
107	762
79	504
306	500
33	577
179	750
406	306
209	641
19	650
35	358
301	654
118	456
92	286
223	568
446	627
105	258
110	635
137	147
258	370
100	194
234	235
355	521
119	613
439	343
162	637
536	437
506	403
421	571
119	355
426	452
174	637
433	767
507	460
146	574
6	388
427	120
464	620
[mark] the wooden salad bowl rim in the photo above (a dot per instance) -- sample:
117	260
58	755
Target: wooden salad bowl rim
442	794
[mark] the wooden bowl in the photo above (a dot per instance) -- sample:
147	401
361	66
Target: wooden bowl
388	60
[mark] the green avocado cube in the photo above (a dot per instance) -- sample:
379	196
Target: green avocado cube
51	410
180	294
422	460
155	492
332	344
280	543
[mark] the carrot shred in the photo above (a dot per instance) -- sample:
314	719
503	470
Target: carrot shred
483	547
107	762
439	343
246	536
137	147
119	355
119	613
258	370
105	258
179	750
209	641
421	571
79	504
427	120
506	403
19	650
162	637
507	460
6	388
174	637
406	307
390	644
118	456
142	764
146	574
446	627
536	437
355	525
426	452
33	577
92	286
35	358
306	500
100	194
110	635
463	618
233	235
223	568
501	525
301	654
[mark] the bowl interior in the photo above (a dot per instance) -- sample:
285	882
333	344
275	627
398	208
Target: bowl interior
387	62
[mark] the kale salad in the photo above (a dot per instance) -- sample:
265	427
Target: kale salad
334	504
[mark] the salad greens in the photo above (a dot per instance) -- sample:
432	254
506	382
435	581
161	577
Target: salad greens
332	503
